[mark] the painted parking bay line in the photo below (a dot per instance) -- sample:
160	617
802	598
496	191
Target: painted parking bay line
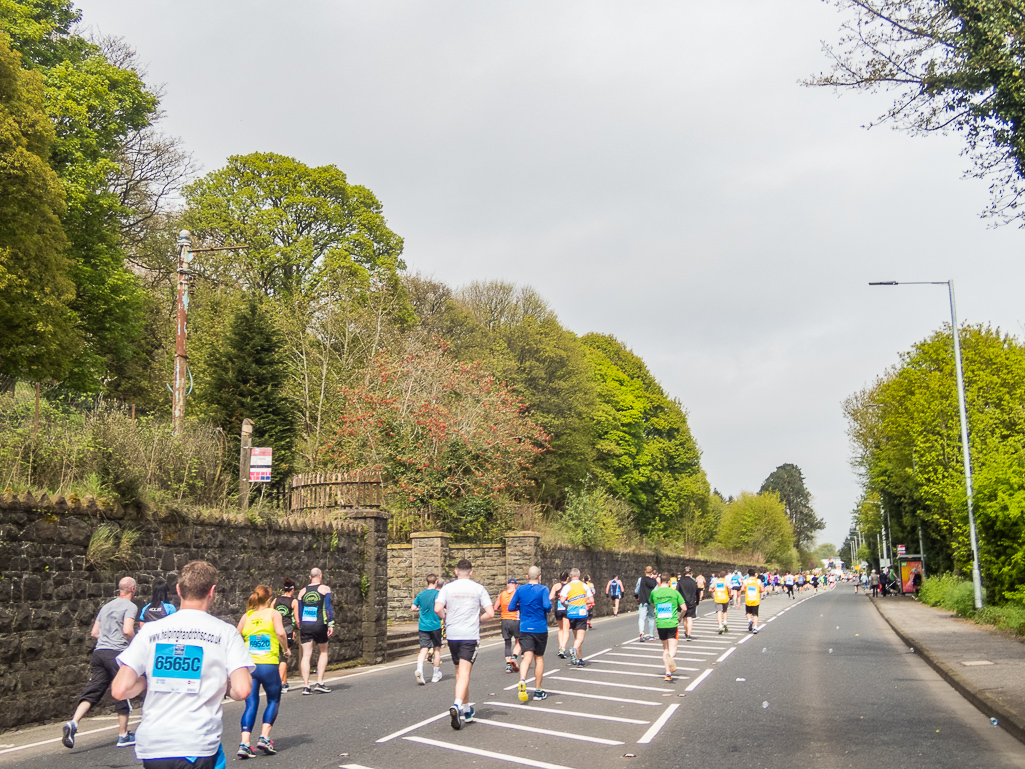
577	680
549	732
486	753
585	695
657	726
558	712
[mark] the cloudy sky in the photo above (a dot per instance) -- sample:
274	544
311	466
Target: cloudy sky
654	169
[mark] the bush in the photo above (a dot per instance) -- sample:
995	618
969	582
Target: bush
949	592
593	519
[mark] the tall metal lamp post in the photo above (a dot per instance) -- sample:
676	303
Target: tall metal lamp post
966	452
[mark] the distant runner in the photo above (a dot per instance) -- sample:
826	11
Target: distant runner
752	599
688	588
286	605
429	629
510	625
316	623
578	598
721	596
533	602
614	590
264	633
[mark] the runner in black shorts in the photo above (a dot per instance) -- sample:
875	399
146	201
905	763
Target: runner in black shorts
561	623
286	605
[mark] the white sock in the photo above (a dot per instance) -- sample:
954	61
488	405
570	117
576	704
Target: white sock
459	704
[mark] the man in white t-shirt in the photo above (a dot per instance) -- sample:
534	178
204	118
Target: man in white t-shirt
185	663
459	604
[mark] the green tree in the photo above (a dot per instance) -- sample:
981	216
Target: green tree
824	551
37	334
247	377
906	434
306	230
955	66
758	524
787	482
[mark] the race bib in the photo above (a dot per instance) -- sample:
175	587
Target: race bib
176	669
259	643
752	592
309	614
663	611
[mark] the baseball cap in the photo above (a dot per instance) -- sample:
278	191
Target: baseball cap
512	581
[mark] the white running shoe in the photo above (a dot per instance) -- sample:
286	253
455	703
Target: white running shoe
437	676
419	675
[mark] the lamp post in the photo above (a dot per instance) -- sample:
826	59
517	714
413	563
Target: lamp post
965	450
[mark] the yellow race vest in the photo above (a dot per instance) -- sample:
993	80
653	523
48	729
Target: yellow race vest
752	591
261	640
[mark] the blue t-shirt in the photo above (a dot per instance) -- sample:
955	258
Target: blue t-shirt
533	602
425	602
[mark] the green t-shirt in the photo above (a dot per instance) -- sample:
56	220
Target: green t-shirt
667	603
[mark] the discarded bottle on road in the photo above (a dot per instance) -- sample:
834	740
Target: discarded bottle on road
994	722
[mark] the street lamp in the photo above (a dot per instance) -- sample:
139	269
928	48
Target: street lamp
966	452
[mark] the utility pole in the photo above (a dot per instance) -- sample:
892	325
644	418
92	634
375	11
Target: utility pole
243	465
181	357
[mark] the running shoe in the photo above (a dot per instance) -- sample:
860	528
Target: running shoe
573	656
688	637
725	627
244	752
515	667
266	745
720	630
669	677
437	676
540	694
755	631
469	714
562	653
418	674
641	639
508	667
521	691
126	740
750	625
284	688
321	689
307	690
456	716
70	730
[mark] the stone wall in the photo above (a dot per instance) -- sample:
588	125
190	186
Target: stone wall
400	581
50	590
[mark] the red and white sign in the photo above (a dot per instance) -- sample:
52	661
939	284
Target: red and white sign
259	465
901	549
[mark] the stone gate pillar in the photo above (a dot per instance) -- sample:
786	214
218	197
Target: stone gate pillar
375	602
430	554
521	553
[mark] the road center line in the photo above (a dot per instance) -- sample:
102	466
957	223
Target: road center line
549	732
486	753
657	726
577	714
694	684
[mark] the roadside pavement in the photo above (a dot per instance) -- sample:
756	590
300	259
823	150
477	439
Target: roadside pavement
985	665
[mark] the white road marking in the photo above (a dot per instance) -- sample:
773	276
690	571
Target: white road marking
603	697
577	680
632	664
657	726
528	680
727	653
593	669
58	739
486	753
694	684
355	766
408	729
577	714
597	654
745	639
549	732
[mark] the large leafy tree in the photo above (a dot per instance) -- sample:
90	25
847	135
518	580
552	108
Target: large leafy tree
758	524
787	482
906	435
37	334
954	65
645	453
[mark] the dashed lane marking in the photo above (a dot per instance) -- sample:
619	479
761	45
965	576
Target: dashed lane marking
657	726
408	729
577	680
727	653
697	681
486	753
549	732
575	713
546	674
605	697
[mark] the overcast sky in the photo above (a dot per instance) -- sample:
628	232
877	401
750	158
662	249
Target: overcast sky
654	169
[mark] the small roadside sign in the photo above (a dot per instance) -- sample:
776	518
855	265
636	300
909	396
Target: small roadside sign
902	550
260	465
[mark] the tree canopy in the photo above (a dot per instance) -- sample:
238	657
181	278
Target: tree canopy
758	524
787	482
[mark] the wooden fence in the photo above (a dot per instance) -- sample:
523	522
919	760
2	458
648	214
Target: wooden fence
328	491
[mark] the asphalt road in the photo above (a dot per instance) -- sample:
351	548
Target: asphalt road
826	683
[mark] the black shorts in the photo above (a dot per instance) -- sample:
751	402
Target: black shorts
534	642
721	607
560	614
692	612
289	632
665	633
430	639
510	628
752	610
317	635
578	623
463	650
102	668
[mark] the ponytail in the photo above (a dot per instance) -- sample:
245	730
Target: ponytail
261	597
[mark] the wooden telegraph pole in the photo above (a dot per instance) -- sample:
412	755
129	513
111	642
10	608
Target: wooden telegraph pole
243	465
186	253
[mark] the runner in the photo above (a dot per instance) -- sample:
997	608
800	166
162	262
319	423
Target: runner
429	630
577	597
264	634
158	606
510	625
721	596
645	614
459	603
316	621
814	582
286	605
533	603
560	613
688	588
788	583
800	582
614	590
113	628
736	582
182	712
700	579
667	601
590	606
752	598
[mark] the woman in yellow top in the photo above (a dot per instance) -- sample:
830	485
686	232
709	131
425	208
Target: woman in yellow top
264	634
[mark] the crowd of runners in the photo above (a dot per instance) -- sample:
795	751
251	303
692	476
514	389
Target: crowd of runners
186	661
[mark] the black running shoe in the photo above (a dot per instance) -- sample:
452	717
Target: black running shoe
456	715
